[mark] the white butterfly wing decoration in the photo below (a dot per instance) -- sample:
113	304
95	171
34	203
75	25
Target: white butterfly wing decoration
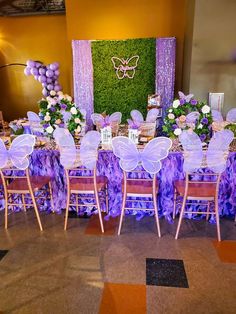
156	150
152	115
137	116
231	116
97	118
115	117
68	152
192	117
192	146
187	98
21	147
126	151
217	116
88	149
33	117
217	148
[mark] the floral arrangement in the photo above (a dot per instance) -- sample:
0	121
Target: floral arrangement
187	113
17	126
58	110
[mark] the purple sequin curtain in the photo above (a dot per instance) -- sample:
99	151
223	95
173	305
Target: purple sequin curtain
165	70
83	76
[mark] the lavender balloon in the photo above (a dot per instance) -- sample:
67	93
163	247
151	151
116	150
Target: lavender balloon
30	63
42	71
27	71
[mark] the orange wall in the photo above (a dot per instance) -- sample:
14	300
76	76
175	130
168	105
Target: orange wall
42	38
120	19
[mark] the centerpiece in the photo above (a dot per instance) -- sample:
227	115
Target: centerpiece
59	110
187	113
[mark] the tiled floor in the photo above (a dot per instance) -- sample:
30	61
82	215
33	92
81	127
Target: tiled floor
82	271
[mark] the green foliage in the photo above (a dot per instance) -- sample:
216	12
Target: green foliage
231	127
112	94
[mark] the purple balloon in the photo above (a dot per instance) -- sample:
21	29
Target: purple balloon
27	71
45	92
52	67
38	64
49	73
49	80
34	71
42	71
57	88
57	72
30	63
42	78
56	82
50	87
44	84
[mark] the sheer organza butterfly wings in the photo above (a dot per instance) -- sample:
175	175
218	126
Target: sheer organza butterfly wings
214	156
34	121
230	117
17	155
218	149
88	149
187	98
99	119
33	117
125	67
156	150
192	117
70	157
137	116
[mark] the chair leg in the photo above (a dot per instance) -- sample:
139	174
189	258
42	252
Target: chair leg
208	211
51	198
180	218
6	211
174	209
23	201
122	212
99	211
107	200
67	209
36	211
156	215
217	219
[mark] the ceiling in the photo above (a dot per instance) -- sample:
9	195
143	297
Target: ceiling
31	7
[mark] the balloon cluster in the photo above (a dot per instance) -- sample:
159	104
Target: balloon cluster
46	75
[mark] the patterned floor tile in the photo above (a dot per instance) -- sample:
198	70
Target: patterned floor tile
226	251
166	272
123	299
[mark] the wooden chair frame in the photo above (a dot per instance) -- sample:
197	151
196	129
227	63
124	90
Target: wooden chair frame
209	199
6	180
153	194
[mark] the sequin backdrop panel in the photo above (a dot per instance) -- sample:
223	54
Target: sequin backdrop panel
165	70
83	77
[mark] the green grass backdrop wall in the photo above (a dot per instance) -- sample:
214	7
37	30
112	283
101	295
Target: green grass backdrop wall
112	94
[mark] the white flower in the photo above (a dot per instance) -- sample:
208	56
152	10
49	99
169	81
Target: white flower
61	96
47	118
73	110
200	126
78	129
176	103
49	106
49	129
59	93
171	116
53	93
77	120
58	121
177	132
206	109
170	110
69	98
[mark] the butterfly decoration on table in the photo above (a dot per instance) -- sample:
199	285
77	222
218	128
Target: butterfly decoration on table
17	155
218	121
70	156
186	98
125	67
138	119
213	158
149	158
99	119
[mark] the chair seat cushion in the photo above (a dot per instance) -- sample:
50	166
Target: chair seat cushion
81	184
21	185
201	189
138	187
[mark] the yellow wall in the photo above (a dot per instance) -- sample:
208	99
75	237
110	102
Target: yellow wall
121	19
42	38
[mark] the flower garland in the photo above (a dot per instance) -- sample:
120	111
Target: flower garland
187	113
58	110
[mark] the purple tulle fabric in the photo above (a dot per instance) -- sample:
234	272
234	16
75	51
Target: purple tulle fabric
47	162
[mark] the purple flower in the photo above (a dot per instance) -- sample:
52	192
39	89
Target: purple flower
46	125
204	121
174	126
182	101
63	106
193	102
202	137
53	109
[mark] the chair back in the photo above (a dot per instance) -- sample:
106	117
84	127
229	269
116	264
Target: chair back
34	121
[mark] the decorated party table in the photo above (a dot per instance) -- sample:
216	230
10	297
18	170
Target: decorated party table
47	162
